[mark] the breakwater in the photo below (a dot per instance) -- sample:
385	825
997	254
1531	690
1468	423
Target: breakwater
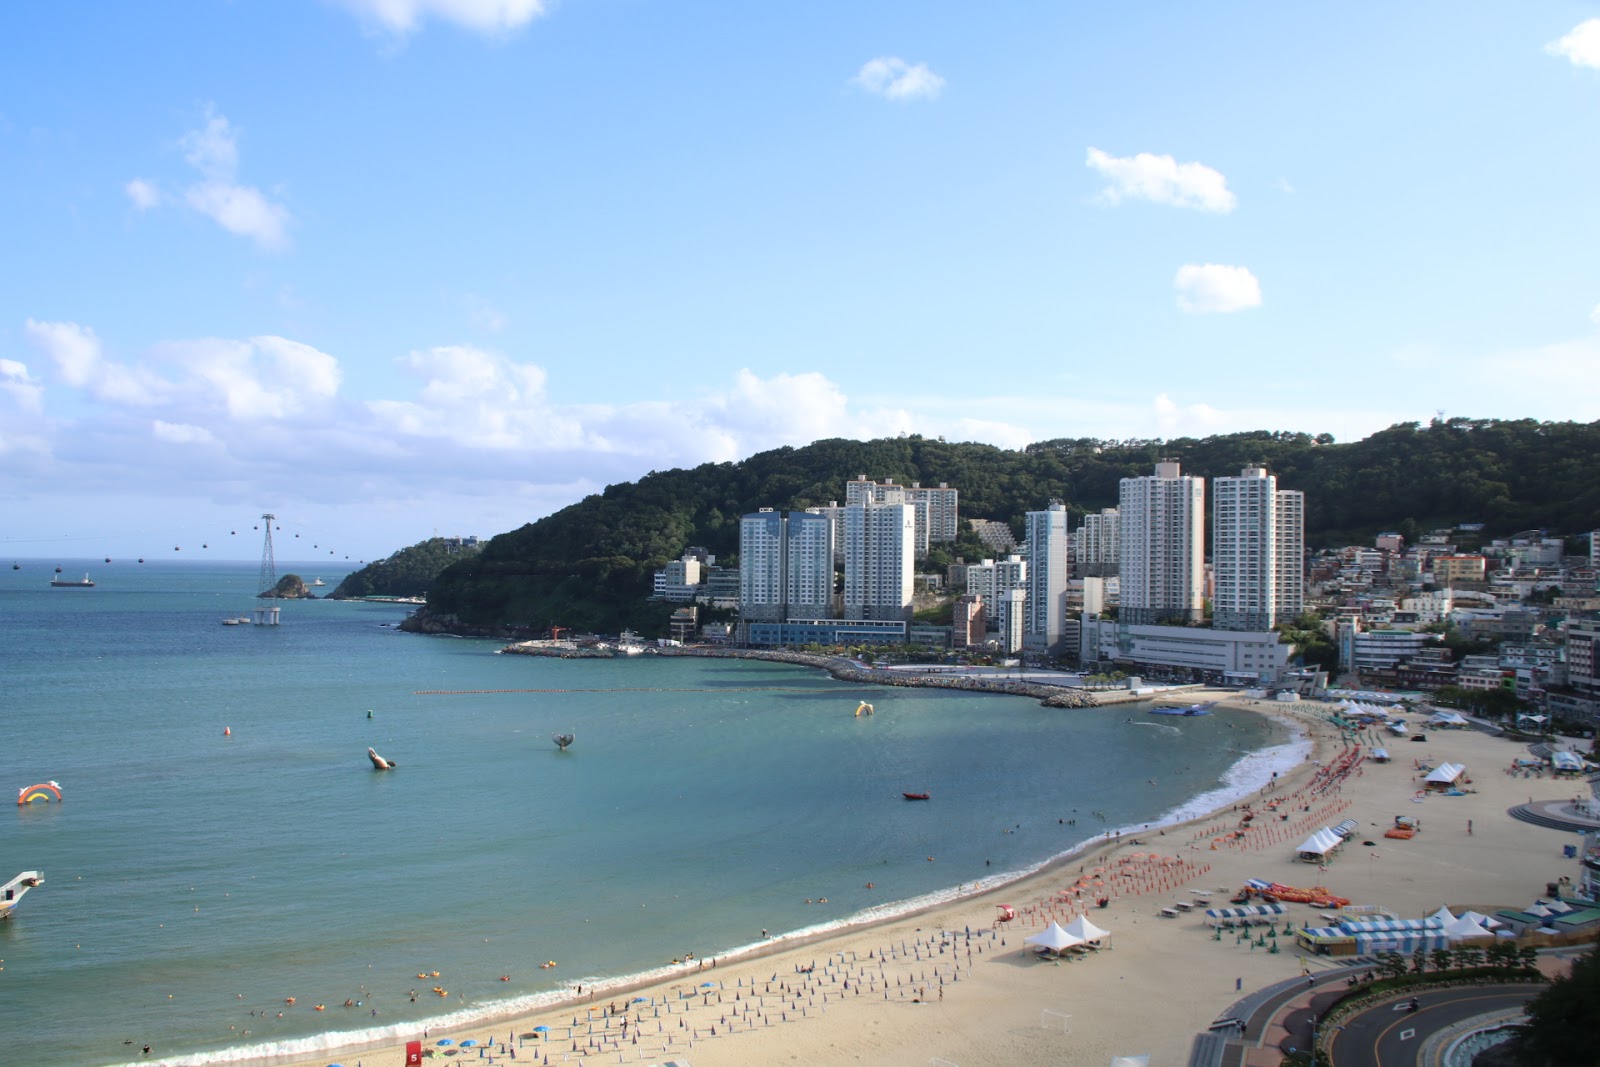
849	670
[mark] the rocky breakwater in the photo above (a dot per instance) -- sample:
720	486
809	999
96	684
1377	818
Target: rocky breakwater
423	621
848	670
557	650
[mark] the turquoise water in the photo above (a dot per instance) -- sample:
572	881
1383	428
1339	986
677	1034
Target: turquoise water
193	878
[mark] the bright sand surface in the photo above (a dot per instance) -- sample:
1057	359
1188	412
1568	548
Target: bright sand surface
924	989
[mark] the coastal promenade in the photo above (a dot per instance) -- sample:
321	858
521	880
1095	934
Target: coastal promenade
849	670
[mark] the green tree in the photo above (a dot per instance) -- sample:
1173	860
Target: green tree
1564	1020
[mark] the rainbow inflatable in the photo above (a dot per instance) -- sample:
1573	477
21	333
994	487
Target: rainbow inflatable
44	791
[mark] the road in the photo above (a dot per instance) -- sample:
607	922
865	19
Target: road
1387	1035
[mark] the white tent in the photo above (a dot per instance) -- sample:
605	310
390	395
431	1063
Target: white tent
1085	930
1463	928
1320	843
1562	760
1054	938
1445	915
1539	910
1481	919
1445	774
1558	907
1447	718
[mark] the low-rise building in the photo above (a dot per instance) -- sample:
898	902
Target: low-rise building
1229	655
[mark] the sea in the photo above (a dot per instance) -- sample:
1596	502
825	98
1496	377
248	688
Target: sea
223	842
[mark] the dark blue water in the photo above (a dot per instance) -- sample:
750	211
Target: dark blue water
192	877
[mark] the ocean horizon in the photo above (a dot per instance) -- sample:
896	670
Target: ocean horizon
223	843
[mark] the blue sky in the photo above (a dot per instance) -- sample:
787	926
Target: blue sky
396	267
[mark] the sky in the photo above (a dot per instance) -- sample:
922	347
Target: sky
396	268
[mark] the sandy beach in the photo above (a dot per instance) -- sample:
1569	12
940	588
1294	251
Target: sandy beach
951	985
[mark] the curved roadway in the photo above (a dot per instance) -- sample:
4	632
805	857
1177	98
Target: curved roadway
1387	1035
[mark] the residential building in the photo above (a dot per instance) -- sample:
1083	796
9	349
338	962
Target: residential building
1013	620
994	581
863	491
785	566
1449	570
995	535
1049	567
878	555
1161	557
761	577
968	622
1096	543
1244	550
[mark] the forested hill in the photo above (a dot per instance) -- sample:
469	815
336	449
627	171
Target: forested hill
409	572
589	565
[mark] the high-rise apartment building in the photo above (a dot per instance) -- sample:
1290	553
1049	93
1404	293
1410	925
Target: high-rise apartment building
879	544
937	509
1161	555
785	566
808	568
1096	543
1257	549
761	585
1049	567
1290	534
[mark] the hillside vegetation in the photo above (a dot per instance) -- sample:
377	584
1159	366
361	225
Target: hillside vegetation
408	572
589	565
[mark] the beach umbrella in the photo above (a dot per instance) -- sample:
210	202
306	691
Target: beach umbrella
469	1042
708	985
443	1041
641	1000
541	1029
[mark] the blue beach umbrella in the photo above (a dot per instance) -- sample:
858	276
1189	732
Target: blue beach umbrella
541	1029
469	1042
708	985
444	1041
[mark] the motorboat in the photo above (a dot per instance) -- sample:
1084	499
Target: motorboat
1191	709
916	796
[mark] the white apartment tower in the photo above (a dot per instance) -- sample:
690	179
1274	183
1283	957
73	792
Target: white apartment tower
761	585
879	542
808	569
785	566
1096	543
1290	532
1257	539
1161	556
1049	566
937	509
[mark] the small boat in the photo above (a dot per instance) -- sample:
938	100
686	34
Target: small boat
1192	709
318	581
11	893
63	583
915	796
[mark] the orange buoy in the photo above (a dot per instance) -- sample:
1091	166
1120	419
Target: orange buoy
227	731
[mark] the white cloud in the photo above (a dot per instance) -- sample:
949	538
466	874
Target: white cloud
1163	180
1188	420
1581	46
483	16
144	194
81	363
23	388
894	78
1594	315
213	150
181	433
242	210
263	378
1214	287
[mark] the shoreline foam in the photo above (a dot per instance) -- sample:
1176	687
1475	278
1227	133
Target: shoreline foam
1246	777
